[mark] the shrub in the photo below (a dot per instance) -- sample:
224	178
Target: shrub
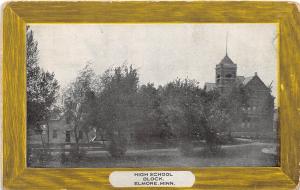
214	141
63	157
39	156
117	147
214	148
76	154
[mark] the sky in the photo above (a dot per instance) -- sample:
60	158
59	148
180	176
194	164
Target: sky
161	52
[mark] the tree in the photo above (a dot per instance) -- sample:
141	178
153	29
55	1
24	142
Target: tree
42	87
116	106
220	113
152	126
215	119
78	100
34	115
194	114
42	91
181	101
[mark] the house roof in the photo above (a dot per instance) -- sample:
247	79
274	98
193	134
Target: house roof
247	80
255	77
240	79
209	86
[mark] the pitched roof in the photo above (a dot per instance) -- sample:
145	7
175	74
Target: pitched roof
247	80
226	61
209	86
240	79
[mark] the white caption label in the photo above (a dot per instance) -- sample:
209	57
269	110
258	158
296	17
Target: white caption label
152	179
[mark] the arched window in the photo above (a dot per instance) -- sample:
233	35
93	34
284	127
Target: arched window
228	75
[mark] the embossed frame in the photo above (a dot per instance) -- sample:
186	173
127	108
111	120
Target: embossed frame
17	14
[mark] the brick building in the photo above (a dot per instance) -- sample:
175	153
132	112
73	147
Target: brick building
259	113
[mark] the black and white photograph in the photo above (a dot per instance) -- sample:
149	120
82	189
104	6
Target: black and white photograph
152	95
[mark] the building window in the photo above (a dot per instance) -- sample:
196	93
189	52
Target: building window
54	134
243	124
68	136
248	124
80	136
228	76
44	129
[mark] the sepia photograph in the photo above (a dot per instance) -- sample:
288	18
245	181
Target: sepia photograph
152	95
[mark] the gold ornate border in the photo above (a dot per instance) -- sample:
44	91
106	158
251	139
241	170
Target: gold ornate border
17	14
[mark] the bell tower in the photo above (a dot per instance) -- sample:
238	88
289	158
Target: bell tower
225	73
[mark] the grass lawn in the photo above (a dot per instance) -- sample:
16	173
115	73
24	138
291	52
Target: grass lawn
249	154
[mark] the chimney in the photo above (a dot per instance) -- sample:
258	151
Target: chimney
255	74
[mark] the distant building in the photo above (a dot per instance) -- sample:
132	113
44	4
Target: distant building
259	114
59	132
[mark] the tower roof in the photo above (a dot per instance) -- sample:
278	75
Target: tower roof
226	61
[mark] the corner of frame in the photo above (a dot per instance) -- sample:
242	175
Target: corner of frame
9	11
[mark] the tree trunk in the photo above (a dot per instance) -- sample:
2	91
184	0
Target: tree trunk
76	139
41	135
48	133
